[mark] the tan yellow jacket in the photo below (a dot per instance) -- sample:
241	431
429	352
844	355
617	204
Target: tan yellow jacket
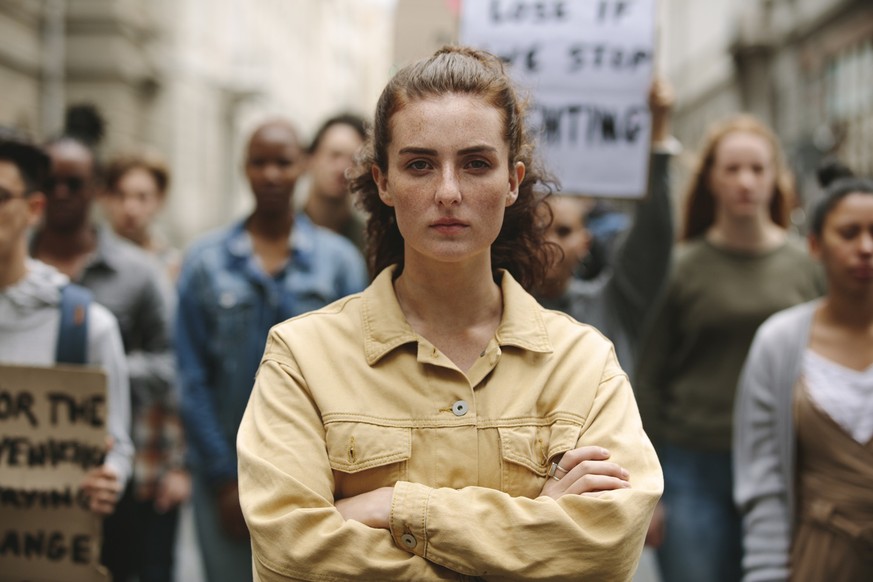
349	399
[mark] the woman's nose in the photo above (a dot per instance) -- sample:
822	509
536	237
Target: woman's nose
449	189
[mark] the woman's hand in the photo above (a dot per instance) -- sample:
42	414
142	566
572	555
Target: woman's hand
372	508
102	489
584	471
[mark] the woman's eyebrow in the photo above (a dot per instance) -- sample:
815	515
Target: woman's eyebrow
431	152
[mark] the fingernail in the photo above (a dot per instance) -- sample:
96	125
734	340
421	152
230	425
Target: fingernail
624	474
604	452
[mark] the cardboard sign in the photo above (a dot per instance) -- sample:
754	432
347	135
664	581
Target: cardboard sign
587	66
52	431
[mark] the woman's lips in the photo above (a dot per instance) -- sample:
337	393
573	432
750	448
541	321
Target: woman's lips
864	273
448	226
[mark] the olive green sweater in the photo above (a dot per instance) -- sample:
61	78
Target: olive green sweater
691	360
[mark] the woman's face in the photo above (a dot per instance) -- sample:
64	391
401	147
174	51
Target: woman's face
845	246
743	175
133	203
448	177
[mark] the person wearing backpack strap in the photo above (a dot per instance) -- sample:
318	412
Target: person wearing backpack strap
44	320
72	347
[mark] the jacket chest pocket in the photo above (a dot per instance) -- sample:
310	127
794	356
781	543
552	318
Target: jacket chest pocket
364	457
233	313
527	453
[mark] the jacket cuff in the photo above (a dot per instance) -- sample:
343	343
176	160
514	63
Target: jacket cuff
408	521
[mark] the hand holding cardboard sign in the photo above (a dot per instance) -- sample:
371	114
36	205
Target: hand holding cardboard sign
102	489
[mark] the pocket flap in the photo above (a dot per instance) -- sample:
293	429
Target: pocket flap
535	446
356	446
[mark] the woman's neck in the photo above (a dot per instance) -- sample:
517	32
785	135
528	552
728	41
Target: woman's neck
271	225
752	234
449	297
848	311
457	308
842	330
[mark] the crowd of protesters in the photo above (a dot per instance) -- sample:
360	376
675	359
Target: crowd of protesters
750	355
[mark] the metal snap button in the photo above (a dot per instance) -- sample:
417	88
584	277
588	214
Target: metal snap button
460	408
227	299
408	540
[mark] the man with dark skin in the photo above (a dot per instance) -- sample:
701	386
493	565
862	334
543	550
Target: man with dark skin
235	284
68	237
132	286
331	153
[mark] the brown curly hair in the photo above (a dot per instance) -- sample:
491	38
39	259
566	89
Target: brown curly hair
520	247
700	203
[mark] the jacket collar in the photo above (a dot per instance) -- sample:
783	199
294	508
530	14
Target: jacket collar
386	328
301	242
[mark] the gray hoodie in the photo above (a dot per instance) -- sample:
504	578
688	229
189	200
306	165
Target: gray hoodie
29	323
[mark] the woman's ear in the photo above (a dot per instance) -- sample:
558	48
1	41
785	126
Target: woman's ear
814	246
516	177
381	181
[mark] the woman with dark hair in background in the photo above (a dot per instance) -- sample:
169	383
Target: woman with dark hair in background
736	267
441	424
803	429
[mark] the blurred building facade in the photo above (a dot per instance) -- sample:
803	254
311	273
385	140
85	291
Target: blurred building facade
804	66
191	78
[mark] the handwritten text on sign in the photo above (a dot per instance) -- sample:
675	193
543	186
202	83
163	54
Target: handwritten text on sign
52	431
588	66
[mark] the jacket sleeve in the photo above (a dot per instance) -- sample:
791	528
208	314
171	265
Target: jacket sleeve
150	363
105	349
286	493
202	428
487	533
759	485
653	366
642	262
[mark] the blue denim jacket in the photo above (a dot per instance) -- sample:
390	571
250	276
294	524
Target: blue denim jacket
227	305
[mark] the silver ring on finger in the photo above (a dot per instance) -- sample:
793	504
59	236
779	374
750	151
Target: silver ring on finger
553	470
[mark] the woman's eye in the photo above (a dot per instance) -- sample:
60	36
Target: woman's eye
478	164
849	233
417	165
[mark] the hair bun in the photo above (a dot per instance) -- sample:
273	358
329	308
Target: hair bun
84	122
832	169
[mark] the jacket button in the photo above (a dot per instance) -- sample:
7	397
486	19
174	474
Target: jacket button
227	299
408	540
460	408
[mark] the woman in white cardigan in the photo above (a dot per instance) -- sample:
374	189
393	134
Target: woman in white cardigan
803	427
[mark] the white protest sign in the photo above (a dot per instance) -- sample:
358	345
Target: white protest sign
587	65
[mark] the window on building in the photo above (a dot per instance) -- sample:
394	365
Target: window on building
849	104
